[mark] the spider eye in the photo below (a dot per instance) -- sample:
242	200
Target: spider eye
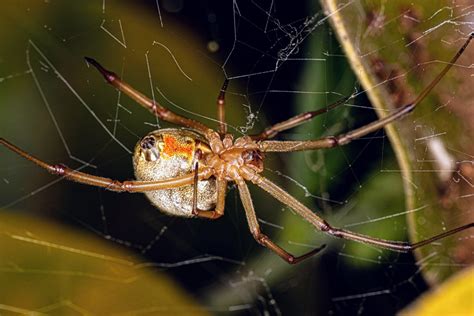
149	148
253	158
251	154
248	155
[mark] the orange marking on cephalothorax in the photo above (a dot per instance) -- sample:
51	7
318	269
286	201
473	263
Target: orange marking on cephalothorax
172	147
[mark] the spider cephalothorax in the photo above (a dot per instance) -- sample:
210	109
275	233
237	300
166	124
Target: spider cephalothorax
185	171
234	160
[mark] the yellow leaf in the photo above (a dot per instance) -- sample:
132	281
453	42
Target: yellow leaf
454	297
47	268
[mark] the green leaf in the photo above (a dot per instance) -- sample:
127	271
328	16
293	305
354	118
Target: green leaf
397	48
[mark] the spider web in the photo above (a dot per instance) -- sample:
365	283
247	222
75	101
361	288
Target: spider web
281	60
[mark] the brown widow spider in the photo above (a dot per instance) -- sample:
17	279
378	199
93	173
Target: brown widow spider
185	171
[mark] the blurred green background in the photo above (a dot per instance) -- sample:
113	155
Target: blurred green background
282	60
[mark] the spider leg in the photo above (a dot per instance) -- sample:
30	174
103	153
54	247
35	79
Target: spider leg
219	209
109	184
262	238
343	139
294	121
154	107
221	108
285	198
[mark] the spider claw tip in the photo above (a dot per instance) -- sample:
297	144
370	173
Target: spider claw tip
91	61
108	75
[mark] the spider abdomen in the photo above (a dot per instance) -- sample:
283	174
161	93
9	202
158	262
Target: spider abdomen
166	154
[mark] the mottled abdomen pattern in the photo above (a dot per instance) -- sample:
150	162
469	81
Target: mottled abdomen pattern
166	154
